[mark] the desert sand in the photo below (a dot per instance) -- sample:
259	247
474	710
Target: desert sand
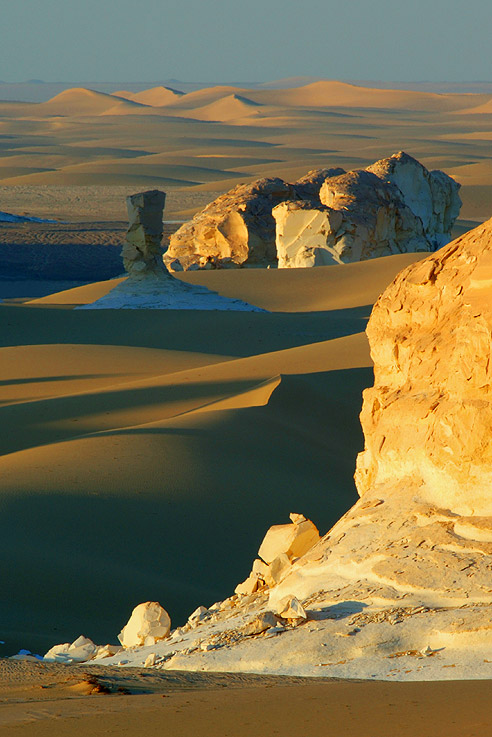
127	473
213	138
54	700
148	451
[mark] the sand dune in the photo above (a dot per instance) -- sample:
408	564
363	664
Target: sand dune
185	432
322	124
340	94
157	96
226	108
210	94
80	101
485	108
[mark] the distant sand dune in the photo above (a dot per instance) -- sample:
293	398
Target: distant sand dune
156	97
226	108
341	94
79	101
321	124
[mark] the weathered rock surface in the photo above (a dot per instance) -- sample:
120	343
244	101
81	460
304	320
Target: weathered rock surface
394	206
308	186
431	195
281	545
328	216
236	229
142	253
148	624
149	284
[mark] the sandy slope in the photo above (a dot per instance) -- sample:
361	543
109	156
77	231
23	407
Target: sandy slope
51	700
147	452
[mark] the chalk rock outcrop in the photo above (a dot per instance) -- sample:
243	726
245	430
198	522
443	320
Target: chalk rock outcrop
149	285
281	545
394	206
148	624
431	195
142	251
328	216
236	229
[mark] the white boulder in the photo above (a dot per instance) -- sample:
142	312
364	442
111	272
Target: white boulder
289	607
148	624
79	651
394	206
293	539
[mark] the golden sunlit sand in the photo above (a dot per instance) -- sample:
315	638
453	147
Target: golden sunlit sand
148	451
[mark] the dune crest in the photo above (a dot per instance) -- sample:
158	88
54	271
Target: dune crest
230	107
81	101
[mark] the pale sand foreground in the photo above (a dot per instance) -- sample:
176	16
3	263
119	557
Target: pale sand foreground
149	451
46	700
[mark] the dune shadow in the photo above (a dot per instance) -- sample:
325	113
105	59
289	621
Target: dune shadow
237	334
181	524
45	379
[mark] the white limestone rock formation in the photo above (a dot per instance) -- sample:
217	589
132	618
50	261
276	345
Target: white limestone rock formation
394	206
307	188
236	229
431	195
149	284
142	253
422	531
149	623
281	545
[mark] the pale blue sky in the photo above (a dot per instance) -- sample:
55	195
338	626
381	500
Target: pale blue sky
245	40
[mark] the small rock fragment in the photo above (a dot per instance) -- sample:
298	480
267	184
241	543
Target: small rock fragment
290	608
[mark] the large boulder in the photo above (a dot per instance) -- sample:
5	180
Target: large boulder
149	623
236	229
394	206
280	547
431	195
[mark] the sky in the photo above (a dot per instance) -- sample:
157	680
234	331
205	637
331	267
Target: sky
245	40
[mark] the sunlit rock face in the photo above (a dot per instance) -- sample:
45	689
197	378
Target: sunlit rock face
234	230
431	195
422	530
238	229
328	216
394	206
428	417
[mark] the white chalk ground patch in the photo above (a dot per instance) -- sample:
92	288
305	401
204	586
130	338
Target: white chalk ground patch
347	640
164	292
7	217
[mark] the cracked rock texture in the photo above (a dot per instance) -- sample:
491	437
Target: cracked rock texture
142	252
328	216
394	206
